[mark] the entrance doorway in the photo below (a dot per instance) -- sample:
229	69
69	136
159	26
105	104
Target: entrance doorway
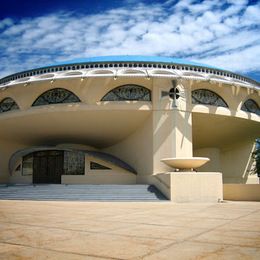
48	166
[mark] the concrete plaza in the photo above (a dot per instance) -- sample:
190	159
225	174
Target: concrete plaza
129	230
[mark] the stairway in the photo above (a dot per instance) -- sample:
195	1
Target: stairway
80	192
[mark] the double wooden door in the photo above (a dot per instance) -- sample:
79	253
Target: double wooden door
48	166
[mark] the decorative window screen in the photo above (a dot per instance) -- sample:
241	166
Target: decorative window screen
128	92
207	97
74	163
251	106
8	104
56	96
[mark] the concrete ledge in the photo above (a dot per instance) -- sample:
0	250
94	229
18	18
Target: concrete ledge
242	192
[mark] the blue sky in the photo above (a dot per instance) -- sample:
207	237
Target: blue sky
222	33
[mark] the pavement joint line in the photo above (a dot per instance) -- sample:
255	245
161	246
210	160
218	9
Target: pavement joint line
100	232
58	251
221	225
87	231
57	228
189	239
225	243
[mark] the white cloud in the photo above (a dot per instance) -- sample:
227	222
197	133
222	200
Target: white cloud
224	34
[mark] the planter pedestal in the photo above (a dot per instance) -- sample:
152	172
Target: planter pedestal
191	187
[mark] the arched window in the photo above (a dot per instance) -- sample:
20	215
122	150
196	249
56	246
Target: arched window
56	96
8	104
207	97
251	106
128	92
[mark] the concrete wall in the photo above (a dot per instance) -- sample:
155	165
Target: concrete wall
196	187
115	175
137	149
190	186
242	192
237	162
214	165
140	133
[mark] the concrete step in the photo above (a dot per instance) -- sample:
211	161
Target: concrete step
81	192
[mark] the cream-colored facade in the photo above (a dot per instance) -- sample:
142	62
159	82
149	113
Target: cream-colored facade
137	132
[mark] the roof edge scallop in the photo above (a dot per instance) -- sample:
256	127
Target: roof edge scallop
144	62
133	58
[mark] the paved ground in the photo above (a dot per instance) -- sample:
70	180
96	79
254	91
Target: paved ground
129	230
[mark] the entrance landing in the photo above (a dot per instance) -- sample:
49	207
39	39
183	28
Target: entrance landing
81	192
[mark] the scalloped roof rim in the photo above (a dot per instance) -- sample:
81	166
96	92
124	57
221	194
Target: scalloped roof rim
132	58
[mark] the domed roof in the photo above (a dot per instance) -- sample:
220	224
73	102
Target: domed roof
182	68
133	58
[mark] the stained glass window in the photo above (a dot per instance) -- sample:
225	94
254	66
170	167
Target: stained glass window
56	96
74	163
251	106
8	104
207	97
128	92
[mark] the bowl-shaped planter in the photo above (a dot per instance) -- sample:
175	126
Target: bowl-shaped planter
185	162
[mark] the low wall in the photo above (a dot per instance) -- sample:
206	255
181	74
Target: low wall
242	192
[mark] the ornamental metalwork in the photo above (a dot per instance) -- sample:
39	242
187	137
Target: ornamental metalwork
251	106
56	96
207	97
8	104
128	92
74	163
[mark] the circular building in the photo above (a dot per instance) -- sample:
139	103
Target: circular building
111	120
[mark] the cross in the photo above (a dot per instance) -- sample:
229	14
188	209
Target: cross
173	93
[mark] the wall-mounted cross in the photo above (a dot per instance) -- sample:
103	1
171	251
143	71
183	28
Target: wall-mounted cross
173	93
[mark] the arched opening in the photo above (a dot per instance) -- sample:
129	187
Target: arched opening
56	96
207	97
251	106
8	104
128	92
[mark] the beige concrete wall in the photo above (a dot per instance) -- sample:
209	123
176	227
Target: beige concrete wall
172	124
189	186
172	133
236	162
214	165
196	187
163	183
7	148
116	175
139	133
137	149
234	96
243	192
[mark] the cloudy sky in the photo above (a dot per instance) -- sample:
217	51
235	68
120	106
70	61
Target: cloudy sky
222	33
